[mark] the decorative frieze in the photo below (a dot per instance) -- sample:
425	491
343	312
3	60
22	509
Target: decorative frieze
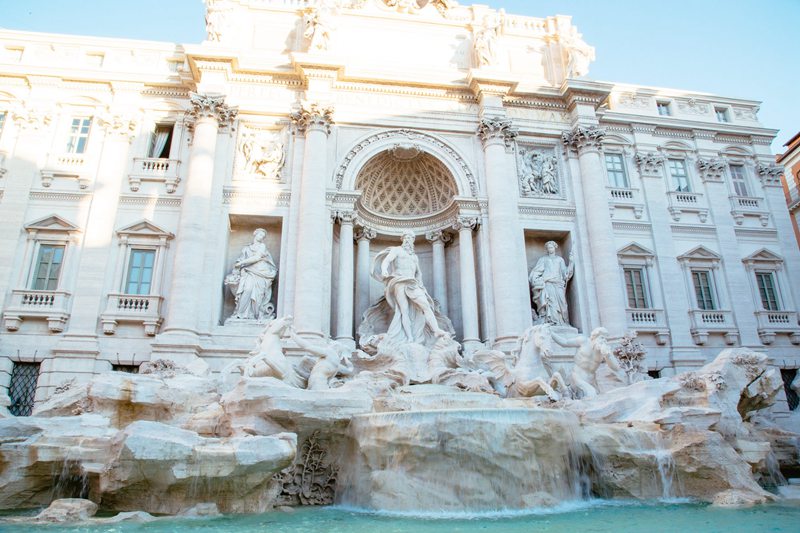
28	118
538	172
313	115
261	154
497	129
120	126
582	138
711	169
634	101
693	107
649	164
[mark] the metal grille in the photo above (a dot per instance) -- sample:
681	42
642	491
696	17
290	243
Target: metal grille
788	375
655	374
130	369
22	389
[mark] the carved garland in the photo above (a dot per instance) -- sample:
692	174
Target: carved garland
412	135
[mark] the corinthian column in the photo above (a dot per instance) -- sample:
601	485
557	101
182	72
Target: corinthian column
344	294
208	112
506	240
586	142
363	236
469	286
438	239
314	121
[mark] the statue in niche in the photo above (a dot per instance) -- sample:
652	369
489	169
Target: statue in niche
548	281
317	28
262	156
251	281
539	173
413	319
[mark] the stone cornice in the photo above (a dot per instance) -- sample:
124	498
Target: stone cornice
576	92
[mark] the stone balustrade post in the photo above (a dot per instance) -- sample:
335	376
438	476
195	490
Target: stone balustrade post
469	285
587	143
438	240
314	121
208	113
506	239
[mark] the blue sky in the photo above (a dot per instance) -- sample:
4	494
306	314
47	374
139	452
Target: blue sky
737	48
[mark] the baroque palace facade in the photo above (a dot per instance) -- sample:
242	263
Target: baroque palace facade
134	175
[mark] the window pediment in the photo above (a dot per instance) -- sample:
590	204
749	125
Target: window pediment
51	223
764	258
144	228
635	251
700	253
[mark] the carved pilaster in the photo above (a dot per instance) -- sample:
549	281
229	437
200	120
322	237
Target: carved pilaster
770	174
120	126
312	115
649	164
210	106
584	138
497	130
711	169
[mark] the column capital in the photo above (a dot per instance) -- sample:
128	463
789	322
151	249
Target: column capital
119	125
584	138
649	163
493	130
313	116
770	174
438	236
210	105
345	216
466	223
364	233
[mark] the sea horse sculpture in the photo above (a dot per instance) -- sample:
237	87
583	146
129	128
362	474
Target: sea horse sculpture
530	374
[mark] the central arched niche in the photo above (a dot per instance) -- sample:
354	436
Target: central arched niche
405	183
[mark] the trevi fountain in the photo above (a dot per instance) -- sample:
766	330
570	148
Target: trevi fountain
513	353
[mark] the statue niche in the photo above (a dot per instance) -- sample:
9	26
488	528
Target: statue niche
251	281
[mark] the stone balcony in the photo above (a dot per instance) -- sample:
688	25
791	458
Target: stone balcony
71	166
707	321
681	202
746	206
770	323
155	169
625	198
52	306
649	321
135	308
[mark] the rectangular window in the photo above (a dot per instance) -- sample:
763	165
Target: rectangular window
160	141
766	288
703	289
22	389
722	114
2	120
680	176
636	288
140	272
738	179
128	369
78	135
615	167
663	109
48	267
788	375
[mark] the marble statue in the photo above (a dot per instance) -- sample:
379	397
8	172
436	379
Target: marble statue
413	319
317	24
267	358
334	359
251	280
530	374
538	173
592	352
485	41
548	281
579	54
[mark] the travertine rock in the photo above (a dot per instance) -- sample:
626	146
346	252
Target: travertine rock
68	510
151	460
